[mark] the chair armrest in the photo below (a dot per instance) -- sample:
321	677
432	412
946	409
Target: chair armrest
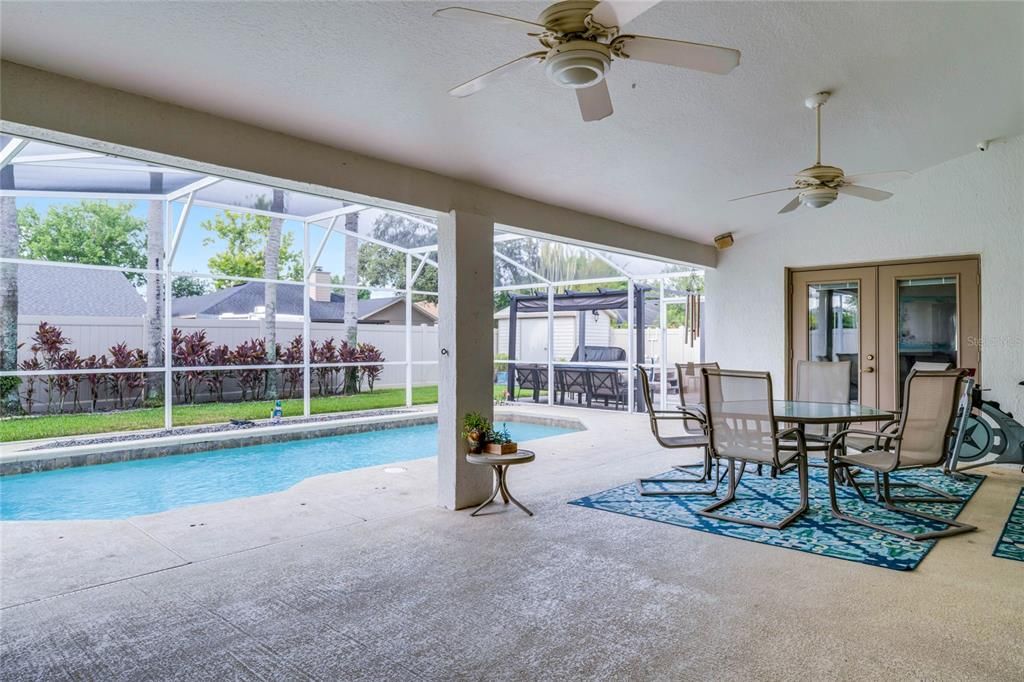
691	413
877	435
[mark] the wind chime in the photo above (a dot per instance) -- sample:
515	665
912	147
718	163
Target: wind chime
692	332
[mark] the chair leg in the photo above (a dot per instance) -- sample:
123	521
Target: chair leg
952	527
730	496
937	495
706	476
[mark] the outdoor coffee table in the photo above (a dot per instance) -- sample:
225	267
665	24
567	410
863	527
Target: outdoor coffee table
500	464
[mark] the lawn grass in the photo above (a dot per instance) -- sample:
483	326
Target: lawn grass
62	425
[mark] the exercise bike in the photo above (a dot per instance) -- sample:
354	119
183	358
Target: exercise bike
976	439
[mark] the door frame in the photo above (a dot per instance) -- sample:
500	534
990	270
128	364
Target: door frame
788	294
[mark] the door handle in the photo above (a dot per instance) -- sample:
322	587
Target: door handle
869	370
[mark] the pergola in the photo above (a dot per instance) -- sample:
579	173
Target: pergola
32	169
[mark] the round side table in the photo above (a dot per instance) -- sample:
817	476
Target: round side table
500	464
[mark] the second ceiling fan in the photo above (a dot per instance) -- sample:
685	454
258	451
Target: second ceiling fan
580	39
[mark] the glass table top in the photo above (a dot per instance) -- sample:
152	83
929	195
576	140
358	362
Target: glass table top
796	411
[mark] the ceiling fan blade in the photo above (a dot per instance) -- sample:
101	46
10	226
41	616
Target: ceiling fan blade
618	13
476	16
482	81
864	192
759	194
878	178
595	102
793	204
697	56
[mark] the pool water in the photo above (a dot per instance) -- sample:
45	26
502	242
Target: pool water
147	486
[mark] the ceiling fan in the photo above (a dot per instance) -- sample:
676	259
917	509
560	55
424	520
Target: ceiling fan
581	38
818	186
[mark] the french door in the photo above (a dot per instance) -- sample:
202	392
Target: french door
885	318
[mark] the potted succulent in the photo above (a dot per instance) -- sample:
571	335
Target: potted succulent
500	442
475	429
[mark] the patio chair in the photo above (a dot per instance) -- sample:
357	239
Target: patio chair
569	380
692	369
606	385
742	428
688	440
821	382
918	440
532	378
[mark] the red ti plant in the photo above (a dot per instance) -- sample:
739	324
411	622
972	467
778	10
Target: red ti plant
67	384
325	376
251	381
127	386
370	353
49	341
292	355
95	380
31	365
217	356
350	353
191	351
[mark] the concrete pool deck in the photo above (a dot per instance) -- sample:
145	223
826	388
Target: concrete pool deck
358	575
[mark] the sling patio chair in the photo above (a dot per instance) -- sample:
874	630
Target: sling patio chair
688	440
690	372
742	428
821	382
919	439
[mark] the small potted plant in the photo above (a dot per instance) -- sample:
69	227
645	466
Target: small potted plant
475	429
500	442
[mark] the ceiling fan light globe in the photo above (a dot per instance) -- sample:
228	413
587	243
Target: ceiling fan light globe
577	64
818	197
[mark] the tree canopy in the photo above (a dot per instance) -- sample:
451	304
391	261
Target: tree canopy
244	236
93	232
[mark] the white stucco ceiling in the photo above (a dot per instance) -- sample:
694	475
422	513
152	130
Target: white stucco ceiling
914	85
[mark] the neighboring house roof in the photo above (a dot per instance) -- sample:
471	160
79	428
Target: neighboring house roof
245	298
54	290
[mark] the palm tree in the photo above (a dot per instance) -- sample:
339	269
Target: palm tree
351	296
155	287
271	258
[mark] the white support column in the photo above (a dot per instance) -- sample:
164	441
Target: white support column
551	344
631	345
408	329
168	322
663	336
307	268
466	304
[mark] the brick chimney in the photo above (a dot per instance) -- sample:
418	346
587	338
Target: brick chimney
320	286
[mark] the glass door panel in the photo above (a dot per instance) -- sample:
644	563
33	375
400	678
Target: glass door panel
925	313
834	321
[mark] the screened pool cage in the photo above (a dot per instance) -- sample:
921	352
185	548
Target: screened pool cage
197	264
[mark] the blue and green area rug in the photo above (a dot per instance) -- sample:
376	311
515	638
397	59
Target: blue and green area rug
1011	542
817	531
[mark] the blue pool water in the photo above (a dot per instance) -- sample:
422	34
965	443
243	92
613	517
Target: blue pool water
123	489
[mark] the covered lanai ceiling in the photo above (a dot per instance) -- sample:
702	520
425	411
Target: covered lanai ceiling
914	85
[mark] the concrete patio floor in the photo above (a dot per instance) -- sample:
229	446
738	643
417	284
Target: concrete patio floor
358	575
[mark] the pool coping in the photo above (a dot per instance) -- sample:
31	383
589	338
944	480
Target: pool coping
49	459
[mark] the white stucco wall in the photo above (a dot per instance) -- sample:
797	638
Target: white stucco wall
969	205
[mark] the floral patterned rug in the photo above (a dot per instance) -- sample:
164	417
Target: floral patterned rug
817	531
1011	543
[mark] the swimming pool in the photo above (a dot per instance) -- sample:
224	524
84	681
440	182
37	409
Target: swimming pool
147	486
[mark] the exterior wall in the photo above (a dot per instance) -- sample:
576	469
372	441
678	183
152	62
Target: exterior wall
395	315
94	335
970	205
678	349
566	334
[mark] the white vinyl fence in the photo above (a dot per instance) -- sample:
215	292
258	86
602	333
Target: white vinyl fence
95	336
